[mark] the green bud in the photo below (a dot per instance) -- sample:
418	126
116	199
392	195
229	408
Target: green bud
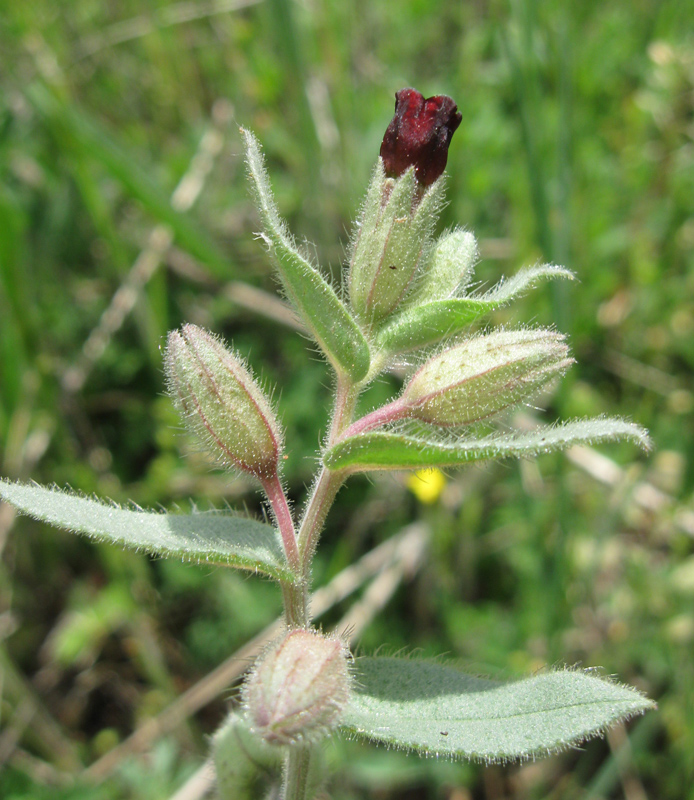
221	402
243	762
394	237
484	375
450	267
299	687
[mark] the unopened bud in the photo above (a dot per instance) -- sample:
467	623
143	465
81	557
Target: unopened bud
299	687
450	267
394	237
221	402
419	135
484	375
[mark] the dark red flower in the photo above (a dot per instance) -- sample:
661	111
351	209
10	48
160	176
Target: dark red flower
419	134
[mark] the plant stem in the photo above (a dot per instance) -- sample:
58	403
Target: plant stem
327	485
379	417
296	773
283	516
294	593
295	601
324	491
328	482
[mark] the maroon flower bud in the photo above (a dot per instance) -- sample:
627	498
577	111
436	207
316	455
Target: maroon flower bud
419	134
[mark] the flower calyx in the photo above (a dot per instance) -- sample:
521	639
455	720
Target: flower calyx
222	403
484	375
298	688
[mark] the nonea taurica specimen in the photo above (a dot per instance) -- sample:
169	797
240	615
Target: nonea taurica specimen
406	300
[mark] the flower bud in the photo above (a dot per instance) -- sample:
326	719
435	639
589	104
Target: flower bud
395	230
221	402
450	267
394	237
299	687
484	375
419	135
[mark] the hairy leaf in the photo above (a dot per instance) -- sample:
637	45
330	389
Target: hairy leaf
391	451
422	325
244	763
436	710
213	537
332	325
450	268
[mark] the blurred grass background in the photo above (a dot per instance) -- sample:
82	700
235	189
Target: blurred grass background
125	212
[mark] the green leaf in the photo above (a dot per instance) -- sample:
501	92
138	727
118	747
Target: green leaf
436	710
244	763
391	451
419	326
213	537
247	767
322	311
450	269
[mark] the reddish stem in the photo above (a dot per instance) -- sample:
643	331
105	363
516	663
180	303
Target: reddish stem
280	508
392	412
294	592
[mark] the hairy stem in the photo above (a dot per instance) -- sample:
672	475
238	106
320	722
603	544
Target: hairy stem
376	419
283	516
327	485
328	482
295	601
294	593
296	774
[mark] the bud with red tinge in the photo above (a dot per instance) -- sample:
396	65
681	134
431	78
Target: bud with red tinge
394	241
484	375
222	403
299	687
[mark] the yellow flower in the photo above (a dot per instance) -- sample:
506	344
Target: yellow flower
427	484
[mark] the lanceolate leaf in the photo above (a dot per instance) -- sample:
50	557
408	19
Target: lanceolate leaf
246	767
324	314
213	537
242	759
436	710
392	451
419	326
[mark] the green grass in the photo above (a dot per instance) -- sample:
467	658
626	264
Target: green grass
575	147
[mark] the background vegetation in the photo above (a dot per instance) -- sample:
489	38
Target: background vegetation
576	147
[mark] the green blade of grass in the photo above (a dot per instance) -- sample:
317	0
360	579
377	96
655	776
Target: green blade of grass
124	166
